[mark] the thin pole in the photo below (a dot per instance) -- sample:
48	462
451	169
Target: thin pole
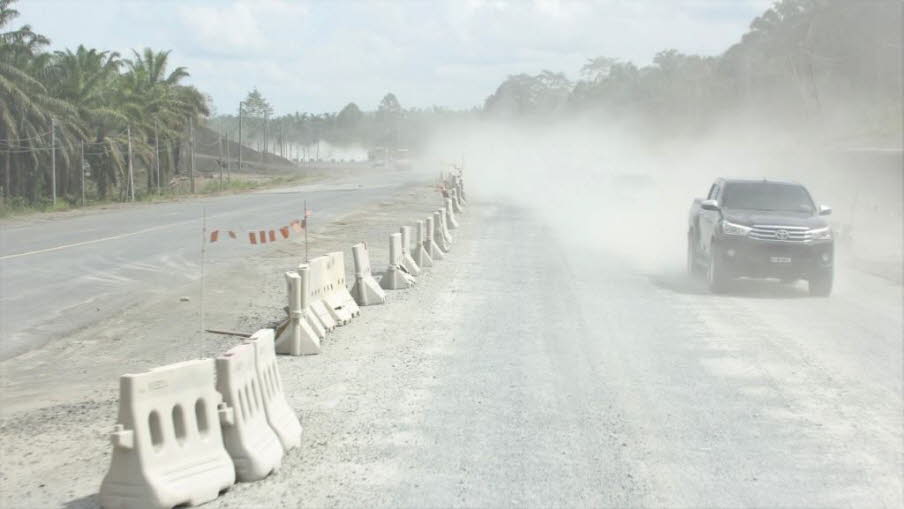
266	135
191	145
305	231
53	158
222	161
203	259
81	167
226	150
240	136
131	177
157	153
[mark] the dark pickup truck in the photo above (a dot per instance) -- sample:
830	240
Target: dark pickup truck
763	229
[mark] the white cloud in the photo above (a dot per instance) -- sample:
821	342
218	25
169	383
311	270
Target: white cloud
319	55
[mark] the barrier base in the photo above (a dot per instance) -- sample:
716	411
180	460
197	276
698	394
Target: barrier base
410	265
367	292
323	315
298	339
396	279
421	258
434	252
338	310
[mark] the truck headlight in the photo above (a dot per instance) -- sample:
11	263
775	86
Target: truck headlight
821	233
734	229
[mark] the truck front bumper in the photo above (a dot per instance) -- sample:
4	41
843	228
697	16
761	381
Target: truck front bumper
746	257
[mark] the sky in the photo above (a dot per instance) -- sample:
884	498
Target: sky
319	55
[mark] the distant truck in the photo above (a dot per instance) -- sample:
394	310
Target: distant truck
762	229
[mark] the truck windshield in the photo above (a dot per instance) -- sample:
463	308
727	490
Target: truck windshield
766	196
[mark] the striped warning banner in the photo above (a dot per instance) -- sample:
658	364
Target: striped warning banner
264	236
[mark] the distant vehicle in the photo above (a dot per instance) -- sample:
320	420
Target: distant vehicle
762	229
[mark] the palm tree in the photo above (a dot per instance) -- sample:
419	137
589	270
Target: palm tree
155	101
28	110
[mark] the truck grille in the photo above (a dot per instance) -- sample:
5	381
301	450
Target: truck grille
781	233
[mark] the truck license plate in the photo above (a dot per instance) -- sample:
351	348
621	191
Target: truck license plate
779	259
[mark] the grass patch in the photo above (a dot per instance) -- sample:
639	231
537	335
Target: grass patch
18	206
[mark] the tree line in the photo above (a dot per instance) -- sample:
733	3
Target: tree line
832	66
296	135
81	111
828	64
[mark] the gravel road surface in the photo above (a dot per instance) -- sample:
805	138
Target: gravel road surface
523	370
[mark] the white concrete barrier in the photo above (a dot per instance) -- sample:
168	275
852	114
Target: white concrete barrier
299	337
395	277
280	415
366	291
167	446
321	289
439	233
318	308
451	223
253	445
445	229
419	252
433	249
304	270
408	262
337	294
456	201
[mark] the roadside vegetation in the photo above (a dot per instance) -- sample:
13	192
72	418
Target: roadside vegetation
79	110
829	70
178	190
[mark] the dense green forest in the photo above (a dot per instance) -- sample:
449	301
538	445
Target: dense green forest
832	66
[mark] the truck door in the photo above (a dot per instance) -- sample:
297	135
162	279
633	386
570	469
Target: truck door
709	218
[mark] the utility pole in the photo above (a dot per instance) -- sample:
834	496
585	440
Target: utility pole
157	153
131	175
228	162
222	160
53	158
240	136
191	162
266	134
81	167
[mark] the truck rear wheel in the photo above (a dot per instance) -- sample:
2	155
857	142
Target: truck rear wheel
693	269
716	278
821	285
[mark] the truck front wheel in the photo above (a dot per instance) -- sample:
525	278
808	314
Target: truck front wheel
821	284
715	274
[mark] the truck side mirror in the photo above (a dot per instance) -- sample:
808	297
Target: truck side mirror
825	210
709	205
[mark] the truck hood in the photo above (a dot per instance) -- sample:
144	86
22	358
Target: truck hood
776	218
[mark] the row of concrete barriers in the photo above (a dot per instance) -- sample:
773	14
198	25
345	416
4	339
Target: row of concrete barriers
188	431
319	300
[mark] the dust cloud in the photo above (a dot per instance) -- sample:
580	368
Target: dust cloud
615	190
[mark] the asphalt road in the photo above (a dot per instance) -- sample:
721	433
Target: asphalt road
58	275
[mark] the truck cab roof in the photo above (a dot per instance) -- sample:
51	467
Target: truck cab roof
749	180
